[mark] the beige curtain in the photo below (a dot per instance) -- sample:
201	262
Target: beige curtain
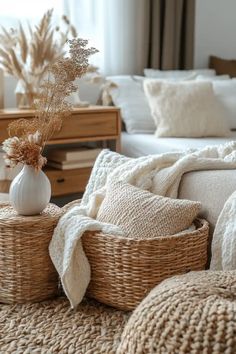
171	36
134	34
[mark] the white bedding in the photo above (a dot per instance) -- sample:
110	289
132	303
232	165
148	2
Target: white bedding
135	145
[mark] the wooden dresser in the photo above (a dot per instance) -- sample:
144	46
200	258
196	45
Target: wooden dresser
90	124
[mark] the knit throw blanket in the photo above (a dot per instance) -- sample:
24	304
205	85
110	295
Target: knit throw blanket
160	174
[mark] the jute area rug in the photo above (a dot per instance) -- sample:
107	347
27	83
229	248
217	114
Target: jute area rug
52	327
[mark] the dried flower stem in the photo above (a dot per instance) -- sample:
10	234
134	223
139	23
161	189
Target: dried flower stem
51	107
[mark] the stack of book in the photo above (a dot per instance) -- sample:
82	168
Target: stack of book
71	158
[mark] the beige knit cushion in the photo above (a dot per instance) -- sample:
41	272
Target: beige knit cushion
141	214
188	314
185	109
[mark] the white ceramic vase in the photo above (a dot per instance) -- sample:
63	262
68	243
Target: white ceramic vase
30	191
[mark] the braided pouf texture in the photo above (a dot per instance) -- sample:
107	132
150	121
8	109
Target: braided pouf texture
189	314
53	327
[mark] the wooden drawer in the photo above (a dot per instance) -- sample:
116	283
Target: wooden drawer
94	123
89	125
68	181
62	182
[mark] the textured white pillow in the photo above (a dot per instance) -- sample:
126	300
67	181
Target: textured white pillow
130	98
225	91
141	214
183	74
185	109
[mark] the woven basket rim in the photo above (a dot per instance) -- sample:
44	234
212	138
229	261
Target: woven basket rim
204	226
203	222
29	219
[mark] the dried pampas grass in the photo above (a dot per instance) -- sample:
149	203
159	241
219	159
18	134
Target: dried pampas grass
27	53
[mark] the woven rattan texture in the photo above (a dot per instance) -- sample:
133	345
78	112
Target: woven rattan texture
124	270
191	314
141	214
51	327
26	270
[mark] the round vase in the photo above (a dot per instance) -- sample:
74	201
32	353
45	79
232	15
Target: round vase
30	191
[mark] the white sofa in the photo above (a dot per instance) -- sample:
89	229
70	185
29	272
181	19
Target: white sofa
211	188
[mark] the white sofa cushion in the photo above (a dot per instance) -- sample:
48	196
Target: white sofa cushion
130	98
211	188
136	145
225	91
185	109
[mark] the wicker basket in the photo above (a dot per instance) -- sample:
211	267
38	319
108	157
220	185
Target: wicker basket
26	270
125	270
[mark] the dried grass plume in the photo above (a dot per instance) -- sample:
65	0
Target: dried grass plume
26	53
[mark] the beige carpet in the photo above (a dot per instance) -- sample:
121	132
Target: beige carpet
52	327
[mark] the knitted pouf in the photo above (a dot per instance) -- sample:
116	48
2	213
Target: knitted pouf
193	314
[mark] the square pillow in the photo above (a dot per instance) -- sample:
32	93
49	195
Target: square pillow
177	74
225	91
186	109
141	214
223	66
130	98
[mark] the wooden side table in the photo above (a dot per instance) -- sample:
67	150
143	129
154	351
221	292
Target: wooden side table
97	124
26	270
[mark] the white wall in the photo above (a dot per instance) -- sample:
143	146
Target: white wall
215	30
87	91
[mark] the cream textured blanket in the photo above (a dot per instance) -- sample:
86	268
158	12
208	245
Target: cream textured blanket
224	238
160	174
